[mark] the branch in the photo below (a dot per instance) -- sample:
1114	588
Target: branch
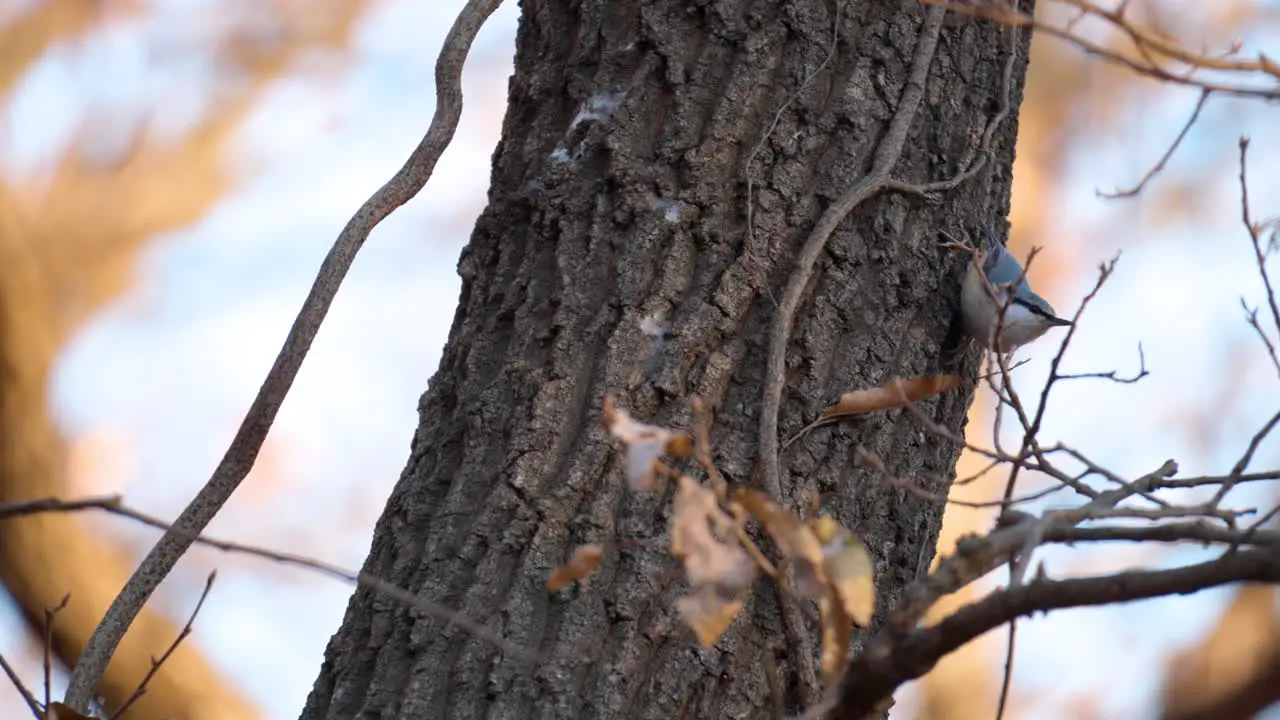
114	505
240	456
1260	256
891	661
155	664
27	697
1030	439
49	615
975	557
1114	375
1146	44
1155	169
886	157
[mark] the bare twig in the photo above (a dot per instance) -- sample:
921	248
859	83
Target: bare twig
244	448
1056	531
22	689
157	663
892	660
113	505
1197	531
1155	169
1007	678
1114	375
1260	256
1154	43
886	158
1204	480
974	559
1251	317
982	154
1030	442
1147	45
110	503
1246	457
991	465
49	615
877	464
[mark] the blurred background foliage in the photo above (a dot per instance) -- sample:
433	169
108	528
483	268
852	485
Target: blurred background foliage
171	174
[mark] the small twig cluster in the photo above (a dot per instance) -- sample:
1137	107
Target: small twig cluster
903	650
50	710
1151	54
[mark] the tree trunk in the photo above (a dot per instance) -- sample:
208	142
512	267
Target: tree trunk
619	193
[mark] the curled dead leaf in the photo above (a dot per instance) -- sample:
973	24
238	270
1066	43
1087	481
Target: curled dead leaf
837	628
796	541
584	562
849	568
645	444
708	613
703	538
891	395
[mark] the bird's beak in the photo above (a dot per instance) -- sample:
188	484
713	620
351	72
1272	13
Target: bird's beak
1054	320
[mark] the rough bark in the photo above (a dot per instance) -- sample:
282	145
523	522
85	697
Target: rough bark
618	192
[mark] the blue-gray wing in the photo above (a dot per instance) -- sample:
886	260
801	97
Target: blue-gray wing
1001	267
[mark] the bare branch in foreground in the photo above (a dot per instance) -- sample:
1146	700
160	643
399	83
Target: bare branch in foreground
240	456
27	697
1155	169
157	663
113	504
892	660
1255	231
50	614
1114	375
1007	678
903	650
886	157
1154	52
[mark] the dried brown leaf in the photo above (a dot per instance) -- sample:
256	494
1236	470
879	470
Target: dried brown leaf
708	614
679	445
849	569
645	444
891	395
836	631
792	536
585	561
702	537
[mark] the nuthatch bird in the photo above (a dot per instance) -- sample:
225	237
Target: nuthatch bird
1026	315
